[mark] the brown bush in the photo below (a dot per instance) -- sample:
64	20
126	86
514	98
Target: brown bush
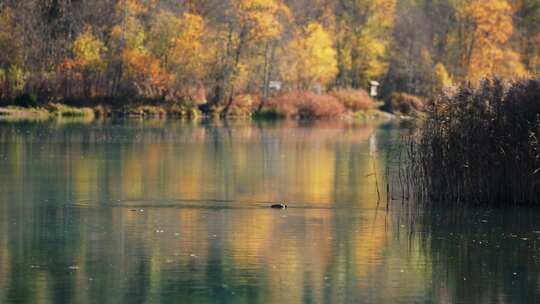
354	100
406	103
307	105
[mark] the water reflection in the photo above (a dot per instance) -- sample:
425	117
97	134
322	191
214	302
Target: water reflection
484	256
152	161
145	211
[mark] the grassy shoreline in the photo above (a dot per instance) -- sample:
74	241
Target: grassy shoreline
47	111
158	112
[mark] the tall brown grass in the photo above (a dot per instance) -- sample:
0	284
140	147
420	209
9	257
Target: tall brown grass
480	146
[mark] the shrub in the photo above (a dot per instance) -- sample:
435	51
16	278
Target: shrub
406	104
145	110
27	100
67	111
16	78
183	110
306	105
270	113
102	111
354	100
480	146
243	105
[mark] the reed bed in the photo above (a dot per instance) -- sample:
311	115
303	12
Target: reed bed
479	147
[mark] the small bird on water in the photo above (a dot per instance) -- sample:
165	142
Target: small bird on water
279	206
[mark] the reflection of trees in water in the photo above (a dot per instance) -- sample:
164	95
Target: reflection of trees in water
178	161
313	253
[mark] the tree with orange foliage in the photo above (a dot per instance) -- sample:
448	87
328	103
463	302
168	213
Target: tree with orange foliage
485	28
146	74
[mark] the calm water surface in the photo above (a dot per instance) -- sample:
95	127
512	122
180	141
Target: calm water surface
139	211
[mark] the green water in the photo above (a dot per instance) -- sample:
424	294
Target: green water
141	211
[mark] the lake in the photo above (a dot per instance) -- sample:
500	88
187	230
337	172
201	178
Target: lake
169	211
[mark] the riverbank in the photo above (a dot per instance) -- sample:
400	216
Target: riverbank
47	111
336	105
159	112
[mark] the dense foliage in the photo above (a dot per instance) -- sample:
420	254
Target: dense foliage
210	51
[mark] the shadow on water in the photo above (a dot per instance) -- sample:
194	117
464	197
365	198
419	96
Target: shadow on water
482	255
474	254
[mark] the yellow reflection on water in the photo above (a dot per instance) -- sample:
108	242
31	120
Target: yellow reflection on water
185	210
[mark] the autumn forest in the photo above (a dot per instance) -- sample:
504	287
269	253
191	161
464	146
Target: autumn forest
218	54
269	151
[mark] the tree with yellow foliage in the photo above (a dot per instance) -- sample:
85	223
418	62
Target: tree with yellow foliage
485	28
222	49
259	19
130	33
188	57
246	23
86	64
164	28
443	79
310	58
178	42
142	49
362	30
88	50
509	65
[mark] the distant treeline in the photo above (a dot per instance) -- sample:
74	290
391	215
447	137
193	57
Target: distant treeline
212	52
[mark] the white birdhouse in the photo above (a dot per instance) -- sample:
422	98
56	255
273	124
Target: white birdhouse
373	86
275	86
